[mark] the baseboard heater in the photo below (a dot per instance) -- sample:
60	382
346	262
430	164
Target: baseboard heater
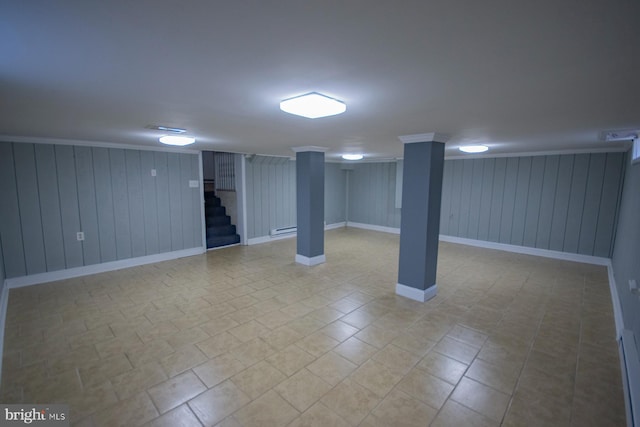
630	376
283	230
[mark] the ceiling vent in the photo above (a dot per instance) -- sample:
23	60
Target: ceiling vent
620	135
166	129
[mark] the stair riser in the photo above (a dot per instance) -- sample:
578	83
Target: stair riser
214	211
213	221
217	241
223	230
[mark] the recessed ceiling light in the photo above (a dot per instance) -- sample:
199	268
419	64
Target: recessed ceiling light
177	140
474	148
352	156
313	105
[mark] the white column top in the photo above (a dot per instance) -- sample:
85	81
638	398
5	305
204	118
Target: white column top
424	137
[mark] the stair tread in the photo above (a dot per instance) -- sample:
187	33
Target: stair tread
217	241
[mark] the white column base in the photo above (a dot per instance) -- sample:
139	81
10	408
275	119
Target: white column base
416	294
304	260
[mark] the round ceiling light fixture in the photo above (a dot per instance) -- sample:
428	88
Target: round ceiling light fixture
177	140
473	149
352	156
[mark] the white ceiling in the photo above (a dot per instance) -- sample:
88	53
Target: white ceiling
519	76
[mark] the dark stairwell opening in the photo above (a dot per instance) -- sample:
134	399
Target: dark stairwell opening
219	199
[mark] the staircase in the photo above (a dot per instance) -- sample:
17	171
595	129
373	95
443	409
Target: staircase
220	231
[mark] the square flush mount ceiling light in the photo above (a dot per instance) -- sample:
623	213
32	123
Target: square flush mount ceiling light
473	148
313	105
177	140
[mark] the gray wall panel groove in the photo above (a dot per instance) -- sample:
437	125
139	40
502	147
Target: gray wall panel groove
50	207
29	205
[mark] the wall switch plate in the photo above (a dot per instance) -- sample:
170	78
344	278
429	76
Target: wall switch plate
194	183
153	172
80	236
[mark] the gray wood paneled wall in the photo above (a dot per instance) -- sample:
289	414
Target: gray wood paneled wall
626	258
335	189
51	192
372	188
565	203
271	194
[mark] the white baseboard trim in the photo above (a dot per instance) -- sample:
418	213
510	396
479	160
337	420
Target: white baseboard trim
630	364
334	226
373	227
546	253
265	239
52	276
310	262
416	294
615	301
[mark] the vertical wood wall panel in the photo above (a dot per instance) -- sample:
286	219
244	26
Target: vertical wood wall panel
456	195
120	203
485	201
29	204
547	201
69	211
104	204
445	201
591	206
136	203
334	193
163	204
508	199
87	205
108	194
50	207
533	196
197	200
149	202
497	198
608	203
576	203
175	201
520	201
185	196
475	198
465	194
561	203
12	245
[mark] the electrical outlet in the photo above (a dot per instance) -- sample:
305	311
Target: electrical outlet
194	183
80	236
633	287
153	172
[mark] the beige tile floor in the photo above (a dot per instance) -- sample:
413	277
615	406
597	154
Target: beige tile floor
245	337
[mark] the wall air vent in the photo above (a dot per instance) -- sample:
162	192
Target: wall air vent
166	129
620	135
